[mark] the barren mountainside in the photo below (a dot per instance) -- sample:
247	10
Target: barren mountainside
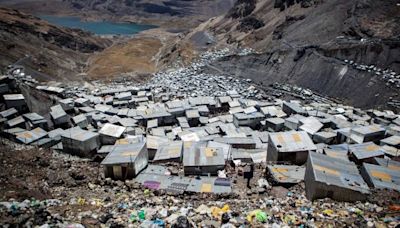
168	13
47	49
307	43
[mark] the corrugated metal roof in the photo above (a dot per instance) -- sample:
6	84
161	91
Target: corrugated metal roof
276	120
16	121
154	142
170	150
233	141
28	137
224	99
154	177
338	151
197	101
56	133
191	114
79	118
57	112
112	130
33	116
124	96
310	125
292	141
13	97
105	149
81	100
391	164
78	134
122	154
128	122
226	148
287	173
201	155
131	139
366	150
8	112
391	151
152	123
382	177
392	140
272	111
337	172
370	129
243	116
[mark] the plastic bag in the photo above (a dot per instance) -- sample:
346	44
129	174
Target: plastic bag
142	215
81	201
260	215
217	212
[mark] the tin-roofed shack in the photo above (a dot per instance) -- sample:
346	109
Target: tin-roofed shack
333	178
286	174
59	116
369	133
381	177
27	137
16	101
248	120
291	146
109	133
365	152
170	151
80	142
125	161
200	159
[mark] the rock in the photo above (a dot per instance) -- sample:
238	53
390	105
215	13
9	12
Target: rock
379	209
263	183
181	222
261	190
92	186
278	192
89	222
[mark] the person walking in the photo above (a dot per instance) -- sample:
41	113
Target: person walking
248	173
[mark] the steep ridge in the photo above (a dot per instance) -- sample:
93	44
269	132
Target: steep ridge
49	51
307	42
176	14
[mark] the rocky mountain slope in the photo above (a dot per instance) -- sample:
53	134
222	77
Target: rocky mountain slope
177	14
344	49
44	48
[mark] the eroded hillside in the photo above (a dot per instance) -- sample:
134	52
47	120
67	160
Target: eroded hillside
50	52
344	49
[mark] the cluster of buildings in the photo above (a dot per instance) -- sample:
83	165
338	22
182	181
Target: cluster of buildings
388	75
339	151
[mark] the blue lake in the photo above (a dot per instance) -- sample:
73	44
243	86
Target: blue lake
97	27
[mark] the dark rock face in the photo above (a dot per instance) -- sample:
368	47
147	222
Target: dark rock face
283	4
250	23
242	8
325	47
148	8
278	32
